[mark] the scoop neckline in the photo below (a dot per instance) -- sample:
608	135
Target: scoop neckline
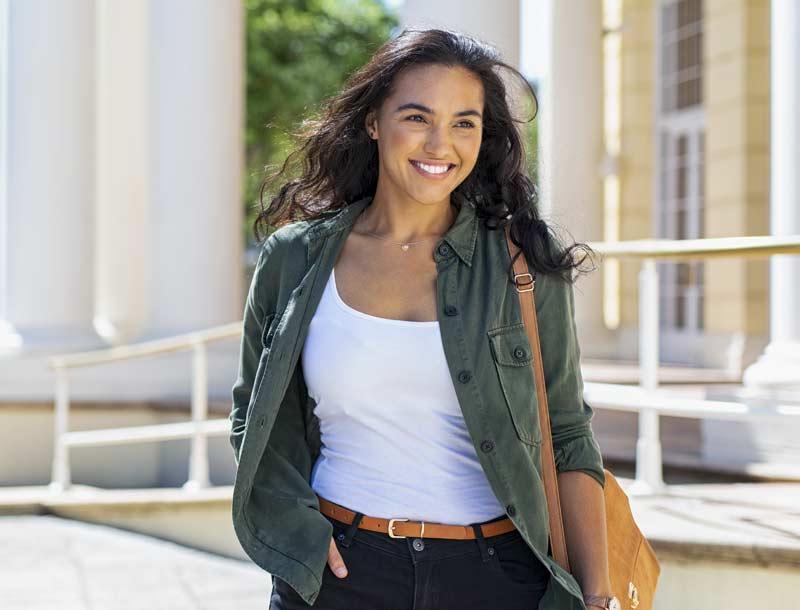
351	310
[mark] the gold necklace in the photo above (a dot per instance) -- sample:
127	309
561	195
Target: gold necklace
404	245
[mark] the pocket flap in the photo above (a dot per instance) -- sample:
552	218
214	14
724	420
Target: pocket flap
510	345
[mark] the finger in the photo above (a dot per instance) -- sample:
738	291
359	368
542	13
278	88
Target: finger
335	560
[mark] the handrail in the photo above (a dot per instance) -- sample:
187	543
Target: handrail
649	466
198	429
146	348
620	397
751	246
646	399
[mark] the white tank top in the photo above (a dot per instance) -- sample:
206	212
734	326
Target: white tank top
394	441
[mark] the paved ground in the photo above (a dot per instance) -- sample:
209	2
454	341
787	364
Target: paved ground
50	563
744	523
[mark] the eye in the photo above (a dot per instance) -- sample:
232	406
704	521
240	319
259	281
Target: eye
468	124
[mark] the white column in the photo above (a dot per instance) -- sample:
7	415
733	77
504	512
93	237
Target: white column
778	368
197	135
176	128
572	148
122	247
497	23
9	339
45	174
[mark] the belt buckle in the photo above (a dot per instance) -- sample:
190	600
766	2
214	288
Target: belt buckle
391	528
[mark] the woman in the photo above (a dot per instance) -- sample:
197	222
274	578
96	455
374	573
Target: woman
384	417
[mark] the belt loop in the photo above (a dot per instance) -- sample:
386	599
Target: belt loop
486	551
350	532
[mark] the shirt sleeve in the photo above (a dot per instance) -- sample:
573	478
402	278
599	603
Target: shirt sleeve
249	354
574	443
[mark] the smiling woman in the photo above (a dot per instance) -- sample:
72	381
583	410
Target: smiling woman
385	420
434	86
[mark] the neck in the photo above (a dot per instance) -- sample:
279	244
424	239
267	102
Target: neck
406	221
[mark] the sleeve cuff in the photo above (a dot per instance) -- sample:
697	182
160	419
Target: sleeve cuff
581	453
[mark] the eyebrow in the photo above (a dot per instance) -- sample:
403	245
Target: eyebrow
415	106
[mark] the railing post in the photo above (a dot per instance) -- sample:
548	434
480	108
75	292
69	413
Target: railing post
198	459
649	473
60	474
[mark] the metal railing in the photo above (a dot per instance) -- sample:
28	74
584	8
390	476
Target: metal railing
198	429
646	399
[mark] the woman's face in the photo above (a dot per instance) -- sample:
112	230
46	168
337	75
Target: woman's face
428	132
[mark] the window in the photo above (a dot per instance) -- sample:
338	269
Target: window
680	125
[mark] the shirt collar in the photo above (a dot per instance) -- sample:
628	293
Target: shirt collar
461	235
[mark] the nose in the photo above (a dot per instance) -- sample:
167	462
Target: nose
437	144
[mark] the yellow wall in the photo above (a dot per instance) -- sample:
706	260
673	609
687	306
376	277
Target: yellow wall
636	155
736	96
736	103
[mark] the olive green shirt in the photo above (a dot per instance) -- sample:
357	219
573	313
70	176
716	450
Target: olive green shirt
276	435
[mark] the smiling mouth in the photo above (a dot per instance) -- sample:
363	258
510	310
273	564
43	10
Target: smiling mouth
432	170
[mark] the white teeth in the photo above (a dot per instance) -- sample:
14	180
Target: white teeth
432	169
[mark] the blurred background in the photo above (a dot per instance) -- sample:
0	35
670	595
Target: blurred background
134	136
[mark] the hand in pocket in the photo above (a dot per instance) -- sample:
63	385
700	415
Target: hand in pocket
335	560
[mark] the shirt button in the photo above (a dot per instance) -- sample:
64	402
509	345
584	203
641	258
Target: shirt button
520	353
450	310
511	510
487	446
261	422
444	250
464	376
418	544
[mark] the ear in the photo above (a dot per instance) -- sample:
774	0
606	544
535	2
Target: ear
371	125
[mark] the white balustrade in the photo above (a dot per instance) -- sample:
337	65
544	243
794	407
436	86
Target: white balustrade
647	399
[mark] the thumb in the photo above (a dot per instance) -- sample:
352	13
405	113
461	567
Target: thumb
335	560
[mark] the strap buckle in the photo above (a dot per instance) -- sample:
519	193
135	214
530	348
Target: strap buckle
525	284
393	535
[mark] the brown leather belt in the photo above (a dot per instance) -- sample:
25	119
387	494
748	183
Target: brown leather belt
403	528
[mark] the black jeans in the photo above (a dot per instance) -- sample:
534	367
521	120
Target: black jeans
383	573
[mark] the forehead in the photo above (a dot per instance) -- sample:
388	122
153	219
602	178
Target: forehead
438	85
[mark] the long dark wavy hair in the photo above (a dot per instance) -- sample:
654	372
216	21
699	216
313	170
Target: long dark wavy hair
337	162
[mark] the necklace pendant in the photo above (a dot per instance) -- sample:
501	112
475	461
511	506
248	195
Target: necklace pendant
404	246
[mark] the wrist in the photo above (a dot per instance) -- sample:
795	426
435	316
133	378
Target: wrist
601	602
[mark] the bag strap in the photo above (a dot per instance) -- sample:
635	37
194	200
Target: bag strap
525	281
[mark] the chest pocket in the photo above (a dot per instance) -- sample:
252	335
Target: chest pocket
512	358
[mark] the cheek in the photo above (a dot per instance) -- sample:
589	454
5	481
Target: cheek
402	144
469	153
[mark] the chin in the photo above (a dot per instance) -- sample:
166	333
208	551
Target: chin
431	198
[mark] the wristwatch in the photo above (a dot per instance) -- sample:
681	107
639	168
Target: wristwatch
609	603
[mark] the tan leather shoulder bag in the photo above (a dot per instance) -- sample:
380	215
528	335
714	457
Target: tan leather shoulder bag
633	566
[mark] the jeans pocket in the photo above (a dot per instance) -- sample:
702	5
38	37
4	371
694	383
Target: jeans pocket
519	566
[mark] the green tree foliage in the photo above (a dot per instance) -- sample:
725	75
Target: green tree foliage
299	52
